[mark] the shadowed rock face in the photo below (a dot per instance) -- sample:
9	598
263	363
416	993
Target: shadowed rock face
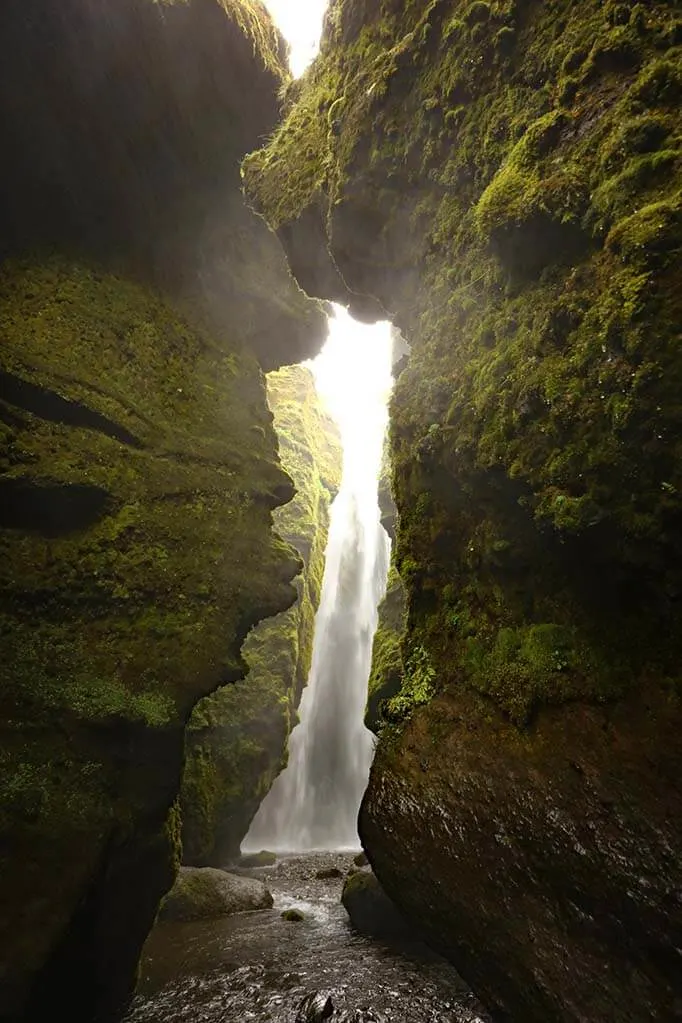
237	738
206	893
138	464
504	178
125	124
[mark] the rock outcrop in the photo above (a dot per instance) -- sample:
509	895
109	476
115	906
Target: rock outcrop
204	893
386	676
138	463
369	908
504	178
237	738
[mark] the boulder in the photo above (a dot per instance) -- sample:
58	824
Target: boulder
259	859
294	916
315	1008
205	893
328	874
370	909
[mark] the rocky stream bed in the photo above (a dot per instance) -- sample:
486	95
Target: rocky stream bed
258	967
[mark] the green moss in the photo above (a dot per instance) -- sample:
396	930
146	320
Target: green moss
534	197
259	859
237	737
292	915
478	12
116	616
387	667
651	237
532	209
256	23
534	666
417	687
78	620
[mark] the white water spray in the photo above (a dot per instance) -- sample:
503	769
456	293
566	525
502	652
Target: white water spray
314	803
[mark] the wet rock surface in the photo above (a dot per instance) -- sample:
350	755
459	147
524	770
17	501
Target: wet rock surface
369	908
204	893
529	814
256	967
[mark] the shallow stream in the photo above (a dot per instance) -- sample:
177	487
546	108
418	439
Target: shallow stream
256	967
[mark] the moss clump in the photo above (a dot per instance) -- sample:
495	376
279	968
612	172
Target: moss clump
651	236
532	209
418	685
292	916
237	738
207	894
478	13
386	676
536	666
256	23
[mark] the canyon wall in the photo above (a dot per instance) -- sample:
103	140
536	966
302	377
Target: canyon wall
138	463
237	738
503	178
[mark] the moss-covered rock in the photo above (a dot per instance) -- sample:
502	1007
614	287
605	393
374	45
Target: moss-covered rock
369	908
125	122
237	738
204	893
259	859
505	179
138	465
293	916
387	666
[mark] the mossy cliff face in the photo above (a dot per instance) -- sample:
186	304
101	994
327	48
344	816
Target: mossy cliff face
237	738
387	667
126	123
138	464
505	178
385	679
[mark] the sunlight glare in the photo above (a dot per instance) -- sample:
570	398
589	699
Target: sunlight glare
353	376
300	22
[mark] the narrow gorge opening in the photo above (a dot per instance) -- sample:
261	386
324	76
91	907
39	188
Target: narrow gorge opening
182	200
314	803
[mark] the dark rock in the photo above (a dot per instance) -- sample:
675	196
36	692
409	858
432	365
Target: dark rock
293	915
205	893
370	909
259	859
361	859
328	874
315	1008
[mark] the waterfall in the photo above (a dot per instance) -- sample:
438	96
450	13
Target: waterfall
314	802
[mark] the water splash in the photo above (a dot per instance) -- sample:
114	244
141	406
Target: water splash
314	802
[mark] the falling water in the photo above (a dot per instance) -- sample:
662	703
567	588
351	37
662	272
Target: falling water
314	802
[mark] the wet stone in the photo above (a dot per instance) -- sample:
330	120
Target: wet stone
258	968
315	1008
292	915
